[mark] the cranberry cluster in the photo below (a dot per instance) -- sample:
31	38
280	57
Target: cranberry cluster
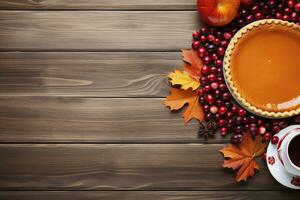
217	102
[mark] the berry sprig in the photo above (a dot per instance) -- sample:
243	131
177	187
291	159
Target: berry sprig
215	98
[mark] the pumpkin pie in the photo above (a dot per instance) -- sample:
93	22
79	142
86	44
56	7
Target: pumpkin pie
262	68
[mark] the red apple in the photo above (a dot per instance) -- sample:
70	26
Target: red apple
218	12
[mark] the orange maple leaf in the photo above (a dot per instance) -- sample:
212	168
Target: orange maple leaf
179	98
242	157
193	63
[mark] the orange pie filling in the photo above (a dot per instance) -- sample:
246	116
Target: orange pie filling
265	68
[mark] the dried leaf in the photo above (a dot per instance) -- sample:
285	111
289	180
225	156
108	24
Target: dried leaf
242	157
179	98
193	63
184	79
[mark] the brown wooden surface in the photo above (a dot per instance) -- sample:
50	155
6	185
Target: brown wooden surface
120	167
92	120
96	30
99	4
97	74
150	195
81	87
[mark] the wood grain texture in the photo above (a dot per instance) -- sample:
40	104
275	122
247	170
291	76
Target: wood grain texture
121	167
92	120
150	195
98	74
96	30
99	4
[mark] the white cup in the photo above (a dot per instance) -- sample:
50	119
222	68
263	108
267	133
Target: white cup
283	149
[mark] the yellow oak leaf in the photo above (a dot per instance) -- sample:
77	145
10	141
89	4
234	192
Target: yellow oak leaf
179	98
184	79
242	157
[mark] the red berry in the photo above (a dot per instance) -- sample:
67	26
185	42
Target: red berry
207	88
249	18
253	130
297	7
204	30
267	137
221	51
278	16
236	138
287	11
212	77
211	38
202	52
260	122
209	99
223	87
258	16
222	110
226	96
262	130
196	45
241	112
290	4
220	71
203	38
217	41
200	91
213	69
238	129
205	69
229	115
213	109
234	109
223	131
227	36
214	85
224	43
219	63
255	9
214	57
206	60
206	108
221	122
274	139
196	35
264	156
204	80
285	18
246	120
276	129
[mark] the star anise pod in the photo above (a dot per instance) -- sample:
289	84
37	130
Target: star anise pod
207	129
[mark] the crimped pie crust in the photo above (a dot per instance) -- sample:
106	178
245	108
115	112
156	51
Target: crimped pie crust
227	69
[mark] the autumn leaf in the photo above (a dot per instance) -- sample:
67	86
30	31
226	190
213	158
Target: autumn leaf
184	79
179	98
242	157
193	63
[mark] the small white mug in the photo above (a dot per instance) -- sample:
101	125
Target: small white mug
283	150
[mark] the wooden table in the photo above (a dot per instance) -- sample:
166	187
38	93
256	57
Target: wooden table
81	114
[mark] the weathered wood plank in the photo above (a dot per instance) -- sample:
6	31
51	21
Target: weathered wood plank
96	30
121	167
98	74
99	5
150	195
92	120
